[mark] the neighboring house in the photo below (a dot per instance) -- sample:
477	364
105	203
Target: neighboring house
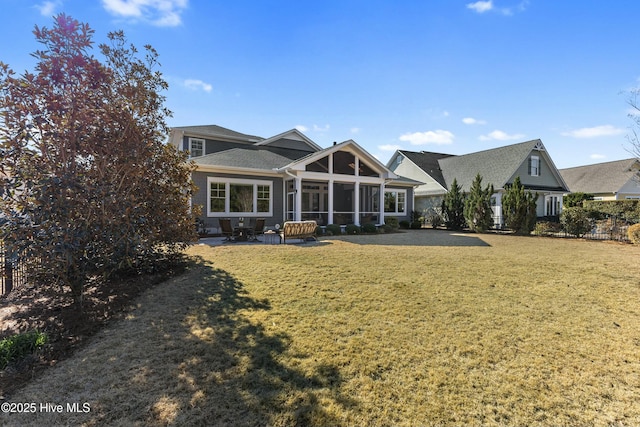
616	180
499	166
289	177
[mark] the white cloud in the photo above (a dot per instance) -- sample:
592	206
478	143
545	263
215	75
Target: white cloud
594	132
163	13
355	130
598	156
48	8
500	136
439	137
472	121
324	128
197	85
481	6
389	147
302	128
486	6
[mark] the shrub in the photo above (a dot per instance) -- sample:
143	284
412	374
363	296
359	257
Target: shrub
416	225
333	230
19	346
634	234
575	199
352	229
545	228
369	228
435	220
391	223
404	224
575	221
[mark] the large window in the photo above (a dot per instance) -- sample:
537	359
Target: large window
196	147
395	201
239	197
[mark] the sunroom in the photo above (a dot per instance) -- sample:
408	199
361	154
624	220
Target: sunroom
344	185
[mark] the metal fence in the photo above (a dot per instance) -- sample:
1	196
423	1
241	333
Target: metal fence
13	272
611	228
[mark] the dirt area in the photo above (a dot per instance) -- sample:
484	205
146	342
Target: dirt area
51	311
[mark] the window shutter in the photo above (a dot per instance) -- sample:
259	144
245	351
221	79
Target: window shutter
529	166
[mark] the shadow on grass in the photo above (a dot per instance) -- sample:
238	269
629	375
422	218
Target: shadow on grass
233	369
417	238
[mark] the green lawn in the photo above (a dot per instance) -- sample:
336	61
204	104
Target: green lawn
419	328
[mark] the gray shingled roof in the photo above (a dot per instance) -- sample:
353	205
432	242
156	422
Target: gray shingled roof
608	177
244	158
428	162
495	166
215	130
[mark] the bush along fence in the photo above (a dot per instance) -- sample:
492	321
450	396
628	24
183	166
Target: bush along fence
13	271
611	228
595	220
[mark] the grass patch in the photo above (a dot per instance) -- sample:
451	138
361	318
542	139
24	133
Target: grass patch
17	347
418	328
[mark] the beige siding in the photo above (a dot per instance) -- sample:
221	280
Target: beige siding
546	177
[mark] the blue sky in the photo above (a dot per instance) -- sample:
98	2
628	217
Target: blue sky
436	75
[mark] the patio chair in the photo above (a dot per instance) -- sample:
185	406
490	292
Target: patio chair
227	230
258	229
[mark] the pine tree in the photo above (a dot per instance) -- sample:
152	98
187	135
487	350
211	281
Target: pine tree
453	207
519	208
477	206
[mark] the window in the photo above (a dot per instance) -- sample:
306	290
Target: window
534	166
242	197
395	201
217	197
196	147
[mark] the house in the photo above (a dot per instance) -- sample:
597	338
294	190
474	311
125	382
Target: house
617	180
499	166
289	177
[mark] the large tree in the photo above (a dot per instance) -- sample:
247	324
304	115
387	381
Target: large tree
477	206
519	208
634	138
88	185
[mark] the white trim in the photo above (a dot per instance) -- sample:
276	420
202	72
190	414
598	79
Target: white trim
191	141
395	212
241	181
537	169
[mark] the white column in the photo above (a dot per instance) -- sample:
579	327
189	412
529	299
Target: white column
356	203
330	197
298	211
381	205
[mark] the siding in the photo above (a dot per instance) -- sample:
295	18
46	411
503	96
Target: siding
546	178
200	196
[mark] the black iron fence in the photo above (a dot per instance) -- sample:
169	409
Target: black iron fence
13	271
611	228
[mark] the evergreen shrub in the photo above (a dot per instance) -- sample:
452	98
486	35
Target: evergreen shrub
634	234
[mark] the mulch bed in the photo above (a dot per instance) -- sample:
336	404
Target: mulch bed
49	310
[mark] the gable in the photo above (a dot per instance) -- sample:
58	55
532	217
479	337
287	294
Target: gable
292	139
547	178
500	166
342	158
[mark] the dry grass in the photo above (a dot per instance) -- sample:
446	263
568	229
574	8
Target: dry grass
421	328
